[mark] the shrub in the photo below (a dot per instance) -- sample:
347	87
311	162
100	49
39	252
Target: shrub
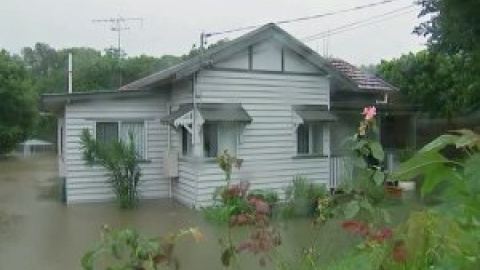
302	198
128	249
122	163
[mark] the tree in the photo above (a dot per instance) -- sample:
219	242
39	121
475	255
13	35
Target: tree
17	102
453	26
442	84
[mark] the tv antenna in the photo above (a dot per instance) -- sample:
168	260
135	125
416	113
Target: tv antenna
118	25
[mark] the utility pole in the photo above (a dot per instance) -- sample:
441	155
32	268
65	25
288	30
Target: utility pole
118	25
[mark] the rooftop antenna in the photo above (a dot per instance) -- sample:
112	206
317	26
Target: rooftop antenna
118	25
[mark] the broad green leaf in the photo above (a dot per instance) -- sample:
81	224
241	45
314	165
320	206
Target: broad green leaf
379	177
359	162
377	150
472	173
365	204
440	143
359	144
434	175
418	165
351	209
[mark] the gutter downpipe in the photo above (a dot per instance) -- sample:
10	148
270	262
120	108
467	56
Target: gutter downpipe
195	133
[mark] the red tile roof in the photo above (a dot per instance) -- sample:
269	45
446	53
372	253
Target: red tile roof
362	79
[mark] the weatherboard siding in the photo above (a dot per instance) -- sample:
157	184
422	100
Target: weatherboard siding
268	144
89	183
268	55
184	188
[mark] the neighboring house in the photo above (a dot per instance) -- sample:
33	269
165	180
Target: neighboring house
265	97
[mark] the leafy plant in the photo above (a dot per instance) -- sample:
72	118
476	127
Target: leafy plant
242	208
458	244
271	197
302	197
122	163
128	249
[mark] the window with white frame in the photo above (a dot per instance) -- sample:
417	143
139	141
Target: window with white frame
310	138
218	137
108	131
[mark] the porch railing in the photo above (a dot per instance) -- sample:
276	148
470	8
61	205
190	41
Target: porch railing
342	169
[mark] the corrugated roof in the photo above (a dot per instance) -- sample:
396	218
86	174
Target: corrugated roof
363	80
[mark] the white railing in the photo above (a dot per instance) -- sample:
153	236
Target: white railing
342	169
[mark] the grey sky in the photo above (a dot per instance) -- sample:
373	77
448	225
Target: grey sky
171	27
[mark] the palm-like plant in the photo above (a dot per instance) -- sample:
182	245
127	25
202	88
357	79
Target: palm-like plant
121	161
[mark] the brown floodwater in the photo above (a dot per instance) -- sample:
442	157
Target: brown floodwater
38	232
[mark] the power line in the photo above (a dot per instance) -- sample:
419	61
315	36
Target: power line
303	18
357	24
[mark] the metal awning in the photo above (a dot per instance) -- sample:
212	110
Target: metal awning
212	112
184	108
310	113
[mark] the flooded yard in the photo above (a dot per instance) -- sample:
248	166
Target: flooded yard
38	232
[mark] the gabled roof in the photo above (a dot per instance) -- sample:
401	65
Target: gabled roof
362	79
229	49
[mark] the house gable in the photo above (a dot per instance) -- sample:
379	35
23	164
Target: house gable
268	55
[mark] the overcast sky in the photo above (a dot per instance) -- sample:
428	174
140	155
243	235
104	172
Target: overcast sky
172	27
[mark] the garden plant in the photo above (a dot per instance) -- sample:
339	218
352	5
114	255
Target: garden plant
122	163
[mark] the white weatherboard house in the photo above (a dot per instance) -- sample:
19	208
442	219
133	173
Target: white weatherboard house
265	97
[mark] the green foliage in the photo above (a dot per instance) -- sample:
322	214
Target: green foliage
122	163
302	198
452	25
459	174
444	85
269	196
128	249
17	101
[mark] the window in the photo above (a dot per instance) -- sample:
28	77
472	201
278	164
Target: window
106	132
218	137
310	139
186	142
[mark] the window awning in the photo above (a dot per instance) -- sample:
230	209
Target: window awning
310	113
212	112
184	108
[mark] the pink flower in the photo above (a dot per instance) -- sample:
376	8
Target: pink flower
369	112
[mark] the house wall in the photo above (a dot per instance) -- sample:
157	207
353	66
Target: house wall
88	183
268	144
61	146
184	188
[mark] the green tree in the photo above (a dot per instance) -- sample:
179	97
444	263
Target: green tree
444	85
452	26
17	102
